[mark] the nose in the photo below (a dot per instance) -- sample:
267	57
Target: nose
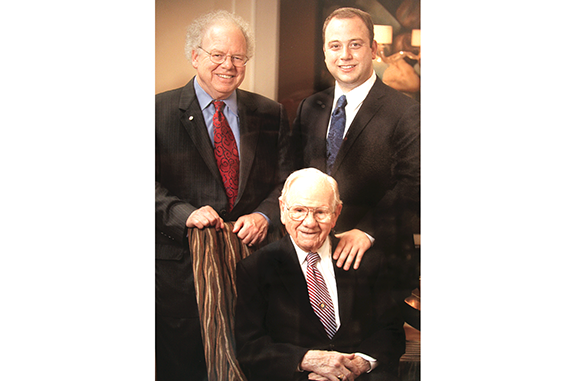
309	220
346	53
227	63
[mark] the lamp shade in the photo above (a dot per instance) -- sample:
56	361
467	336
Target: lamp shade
383	34
415	37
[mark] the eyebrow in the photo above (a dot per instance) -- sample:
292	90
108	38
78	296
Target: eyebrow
358	39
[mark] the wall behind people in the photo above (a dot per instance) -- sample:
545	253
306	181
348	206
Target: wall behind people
172	20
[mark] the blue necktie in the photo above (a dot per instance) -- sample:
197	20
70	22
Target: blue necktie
336	132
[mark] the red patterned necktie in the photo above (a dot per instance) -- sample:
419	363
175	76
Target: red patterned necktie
226	153
319	295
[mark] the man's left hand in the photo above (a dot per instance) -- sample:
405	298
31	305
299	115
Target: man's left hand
353	244
251	228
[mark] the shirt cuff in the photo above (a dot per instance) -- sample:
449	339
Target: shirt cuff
265	216
372	361
370	238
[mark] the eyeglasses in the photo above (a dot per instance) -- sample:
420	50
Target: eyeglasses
218	58
299	213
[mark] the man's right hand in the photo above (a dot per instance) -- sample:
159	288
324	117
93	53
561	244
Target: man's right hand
204	217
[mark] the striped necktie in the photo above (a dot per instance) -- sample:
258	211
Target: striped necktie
319	296
226	153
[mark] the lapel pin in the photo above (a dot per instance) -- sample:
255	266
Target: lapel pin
190	117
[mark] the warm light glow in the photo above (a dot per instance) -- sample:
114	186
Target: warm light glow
415	37
383	34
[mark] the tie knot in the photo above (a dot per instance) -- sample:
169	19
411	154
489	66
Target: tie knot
218	105
312	258
341	102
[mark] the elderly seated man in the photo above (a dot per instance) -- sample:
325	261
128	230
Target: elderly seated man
301	317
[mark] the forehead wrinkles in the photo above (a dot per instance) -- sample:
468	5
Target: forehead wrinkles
225	38
310	194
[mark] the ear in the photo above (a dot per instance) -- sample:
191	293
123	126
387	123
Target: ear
336	215
374	49
194	58
282	210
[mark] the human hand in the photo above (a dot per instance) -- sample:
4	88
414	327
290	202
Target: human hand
327	365
357	365
353	244
317	377
251	228
204	217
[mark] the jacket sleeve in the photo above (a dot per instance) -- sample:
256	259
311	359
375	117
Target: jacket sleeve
284	166
259	357
171	214
387	342
403	199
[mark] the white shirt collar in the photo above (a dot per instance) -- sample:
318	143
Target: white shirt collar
324	252
356	96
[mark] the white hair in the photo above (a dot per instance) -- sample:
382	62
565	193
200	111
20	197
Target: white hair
201	25
311	174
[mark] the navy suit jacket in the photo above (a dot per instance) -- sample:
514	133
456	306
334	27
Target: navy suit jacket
378	165
276	326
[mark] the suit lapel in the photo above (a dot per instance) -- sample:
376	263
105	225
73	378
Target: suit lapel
290	272
345	286
368	110
250	126
193	121
320	118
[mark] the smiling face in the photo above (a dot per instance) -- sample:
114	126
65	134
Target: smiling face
348	51
309	234
220	80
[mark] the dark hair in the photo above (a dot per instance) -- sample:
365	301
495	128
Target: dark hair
348	13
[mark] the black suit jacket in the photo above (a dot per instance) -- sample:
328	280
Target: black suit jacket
187	178
276	326
378	165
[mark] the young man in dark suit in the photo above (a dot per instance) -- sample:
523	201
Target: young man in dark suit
369	141
218	155
293	324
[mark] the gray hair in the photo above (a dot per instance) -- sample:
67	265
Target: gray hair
311	174
201	25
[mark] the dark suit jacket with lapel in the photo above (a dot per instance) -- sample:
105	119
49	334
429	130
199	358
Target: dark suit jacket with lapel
276	326
187	178
378	164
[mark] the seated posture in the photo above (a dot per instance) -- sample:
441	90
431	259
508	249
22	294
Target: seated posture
299	316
